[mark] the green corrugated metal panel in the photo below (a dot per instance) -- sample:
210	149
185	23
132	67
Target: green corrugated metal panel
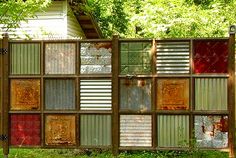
95	130
211	94
173	130
25	58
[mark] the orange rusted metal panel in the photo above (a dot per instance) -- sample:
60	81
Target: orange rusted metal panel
25	94
60	130
173	94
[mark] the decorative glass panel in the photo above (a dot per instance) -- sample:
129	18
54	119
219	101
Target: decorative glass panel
95	130
211	94
25	94
95	58
173	94
135	94
59	94
60	58
25	58
173	130
25	129
135	57
60	130
136	130
210	56
211	131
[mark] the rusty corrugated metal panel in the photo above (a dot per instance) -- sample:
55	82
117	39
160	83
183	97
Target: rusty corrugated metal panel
60	58
25	58
60	130
173	94
95	94
135	94
211	94
136	130
173	57
95	58
95	130
211	131
173	130
59	94
25	94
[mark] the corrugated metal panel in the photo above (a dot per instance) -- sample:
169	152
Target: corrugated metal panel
211	94
60	58
173	130
95	58
95	130
25	58
59	94
172	57
135	94
95	94
136	130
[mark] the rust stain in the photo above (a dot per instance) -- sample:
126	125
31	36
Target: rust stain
60	130
173	94
25	94
105	45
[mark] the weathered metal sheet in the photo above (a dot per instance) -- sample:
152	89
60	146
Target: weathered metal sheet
136	130
211	94
25	94
135	94
135	57
60	58
211	131
95	130
95	58
210	56
25	129
173	94
60	130
59	94
173	130
173	57
25	58
95	94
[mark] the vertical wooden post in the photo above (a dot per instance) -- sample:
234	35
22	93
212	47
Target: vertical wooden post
5	95
115	95
231	91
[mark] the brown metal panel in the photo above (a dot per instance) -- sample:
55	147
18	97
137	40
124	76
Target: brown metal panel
60	130
25	94
136	130
60	58
173	94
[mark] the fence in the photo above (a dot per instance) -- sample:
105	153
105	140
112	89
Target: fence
118	94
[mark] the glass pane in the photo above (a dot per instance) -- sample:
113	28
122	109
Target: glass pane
25	129
135	94
59	94
25	94
60	58
210	56
25	58
173	94
211	131
95	130
135	57
60	130
95	58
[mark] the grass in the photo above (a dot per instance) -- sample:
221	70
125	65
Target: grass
76	153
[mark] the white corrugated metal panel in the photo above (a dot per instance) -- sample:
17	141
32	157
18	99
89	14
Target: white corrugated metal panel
95	94
172	57
136	130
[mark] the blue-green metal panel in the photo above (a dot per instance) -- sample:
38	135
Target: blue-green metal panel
25	58
173	130
95	130
211	94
